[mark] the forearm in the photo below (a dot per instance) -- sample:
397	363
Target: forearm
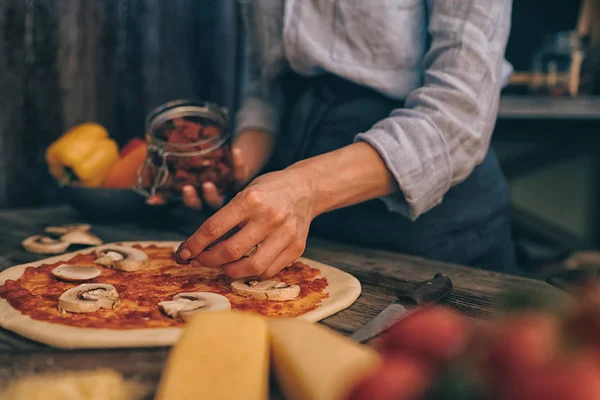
344	177
257	147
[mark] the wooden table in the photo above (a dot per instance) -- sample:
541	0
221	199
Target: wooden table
382	274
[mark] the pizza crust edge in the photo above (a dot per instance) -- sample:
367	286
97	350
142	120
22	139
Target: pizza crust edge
343	290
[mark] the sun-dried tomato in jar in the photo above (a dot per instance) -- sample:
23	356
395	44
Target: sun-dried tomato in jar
188	144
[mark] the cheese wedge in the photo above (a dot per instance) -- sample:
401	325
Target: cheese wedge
220	355
312	362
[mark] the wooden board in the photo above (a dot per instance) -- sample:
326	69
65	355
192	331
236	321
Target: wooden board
383	275
343	290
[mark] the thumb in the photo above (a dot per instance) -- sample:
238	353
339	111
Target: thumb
211	195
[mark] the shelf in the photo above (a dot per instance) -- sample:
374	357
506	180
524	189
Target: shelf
531	107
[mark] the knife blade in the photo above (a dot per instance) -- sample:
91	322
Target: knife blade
425	293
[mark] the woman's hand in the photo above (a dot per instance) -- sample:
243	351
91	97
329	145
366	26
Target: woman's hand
274	212
211	196
249	154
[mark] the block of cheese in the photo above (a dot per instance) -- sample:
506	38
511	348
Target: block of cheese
220	355
312	362
101	384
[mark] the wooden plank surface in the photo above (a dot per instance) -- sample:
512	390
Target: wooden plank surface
382	274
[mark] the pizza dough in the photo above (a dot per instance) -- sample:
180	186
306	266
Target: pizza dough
343	290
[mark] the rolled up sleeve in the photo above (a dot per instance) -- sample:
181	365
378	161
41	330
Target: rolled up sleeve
262	95
444	131
257	112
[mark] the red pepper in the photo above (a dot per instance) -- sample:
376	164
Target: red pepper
131	145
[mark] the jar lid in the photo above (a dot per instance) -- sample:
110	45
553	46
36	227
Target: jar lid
187	108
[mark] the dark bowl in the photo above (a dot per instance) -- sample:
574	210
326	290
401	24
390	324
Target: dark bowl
111	204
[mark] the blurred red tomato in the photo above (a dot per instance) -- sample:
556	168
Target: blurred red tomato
583	324
437	334
575	379
585	328
398	378
521	343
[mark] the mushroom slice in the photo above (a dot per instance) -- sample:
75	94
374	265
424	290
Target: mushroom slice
122	258
44	245
75	273
61	230
269	289
88	297
81	237
184	305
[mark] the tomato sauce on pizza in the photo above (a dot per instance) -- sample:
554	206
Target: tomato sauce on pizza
37	291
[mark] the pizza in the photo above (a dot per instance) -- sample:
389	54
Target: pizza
142	296
136	294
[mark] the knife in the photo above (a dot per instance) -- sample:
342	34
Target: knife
425	293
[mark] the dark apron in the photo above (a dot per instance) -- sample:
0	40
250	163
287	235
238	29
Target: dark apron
470	227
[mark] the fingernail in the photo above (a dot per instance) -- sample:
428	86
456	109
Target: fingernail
188	188
185	254
206	186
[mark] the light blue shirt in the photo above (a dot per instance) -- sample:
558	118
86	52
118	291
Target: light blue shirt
445	58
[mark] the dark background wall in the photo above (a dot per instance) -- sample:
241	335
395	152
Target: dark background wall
532	21
63	62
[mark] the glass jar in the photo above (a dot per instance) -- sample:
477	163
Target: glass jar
562	67
188	144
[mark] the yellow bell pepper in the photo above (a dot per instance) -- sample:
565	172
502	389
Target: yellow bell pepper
83	155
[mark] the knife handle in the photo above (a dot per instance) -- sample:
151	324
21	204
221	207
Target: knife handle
430	291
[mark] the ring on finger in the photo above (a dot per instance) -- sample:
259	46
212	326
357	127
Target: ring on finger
251	251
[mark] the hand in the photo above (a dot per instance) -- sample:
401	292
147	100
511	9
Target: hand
276	209
211	196
249	154
274	212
